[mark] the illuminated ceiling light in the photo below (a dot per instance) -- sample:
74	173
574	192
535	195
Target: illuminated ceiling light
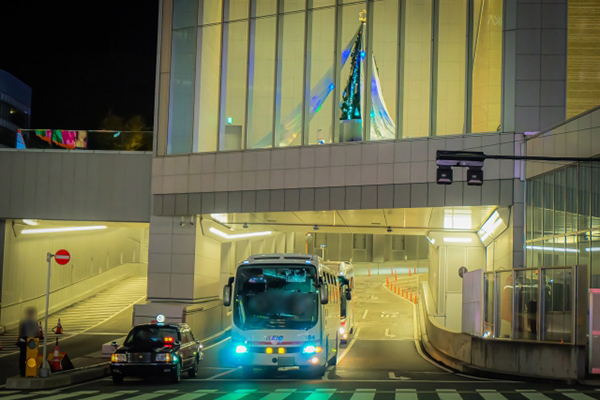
30	222
222	218
229	120
592	249
239	235
64	229
559	249
431	240
492	223
457	240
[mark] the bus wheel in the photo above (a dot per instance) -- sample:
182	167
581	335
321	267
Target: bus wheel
247	371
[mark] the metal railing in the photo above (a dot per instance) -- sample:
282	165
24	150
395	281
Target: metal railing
65	139
537	304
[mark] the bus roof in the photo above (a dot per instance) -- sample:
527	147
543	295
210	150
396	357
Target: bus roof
283	257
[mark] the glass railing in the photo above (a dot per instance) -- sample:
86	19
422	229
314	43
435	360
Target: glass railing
532	303
65	139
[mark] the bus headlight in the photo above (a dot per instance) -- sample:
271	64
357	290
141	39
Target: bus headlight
342	330
314	360
241	349
310	349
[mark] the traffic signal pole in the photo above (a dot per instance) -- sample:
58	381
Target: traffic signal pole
44	371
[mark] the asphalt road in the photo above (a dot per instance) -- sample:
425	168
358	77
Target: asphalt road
380	362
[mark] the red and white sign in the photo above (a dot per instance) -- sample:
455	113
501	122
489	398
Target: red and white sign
62	257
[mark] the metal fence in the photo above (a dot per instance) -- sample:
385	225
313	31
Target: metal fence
539	304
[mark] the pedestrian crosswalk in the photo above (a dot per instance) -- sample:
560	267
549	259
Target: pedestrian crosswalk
302	394
86	314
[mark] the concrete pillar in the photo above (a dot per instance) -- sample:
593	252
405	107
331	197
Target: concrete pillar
2	237
535	67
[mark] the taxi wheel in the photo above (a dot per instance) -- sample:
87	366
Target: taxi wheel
117	379
194	371
176	377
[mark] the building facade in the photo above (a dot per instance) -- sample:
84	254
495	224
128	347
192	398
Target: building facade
15	108
313	126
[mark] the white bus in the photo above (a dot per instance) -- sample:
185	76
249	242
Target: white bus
346	281
286	313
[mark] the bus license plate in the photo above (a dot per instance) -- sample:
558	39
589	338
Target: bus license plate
286	361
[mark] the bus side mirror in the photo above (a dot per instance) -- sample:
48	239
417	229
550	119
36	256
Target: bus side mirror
227	291
349	294
227	295
324	291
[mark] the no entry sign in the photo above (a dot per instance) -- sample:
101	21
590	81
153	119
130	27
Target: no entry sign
62	257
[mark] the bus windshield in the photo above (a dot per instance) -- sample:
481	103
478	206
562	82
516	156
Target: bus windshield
276	297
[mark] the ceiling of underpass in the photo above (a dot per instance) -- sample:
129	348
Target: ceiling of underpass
405	221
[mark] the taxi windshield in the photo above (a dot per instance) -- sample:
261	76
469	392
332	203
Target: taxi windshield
276	297
151	336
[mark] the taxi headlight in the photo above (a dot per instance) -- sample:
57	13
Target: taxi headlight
241	349
117	358
163	357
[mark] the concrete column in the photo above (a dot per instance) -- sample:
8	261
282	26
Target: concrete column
2	238
535	68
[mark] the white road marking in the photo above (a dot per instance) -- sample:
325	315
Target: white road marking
448	394
533	395
146	396
406	394
216	344
341	356
277	395
222	374
490	394
189	396
363	394
392	375
69	395
388	334
365	314
577	396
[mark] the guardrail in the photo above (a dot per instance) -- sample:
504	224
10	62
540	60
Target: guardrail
485	356
73	139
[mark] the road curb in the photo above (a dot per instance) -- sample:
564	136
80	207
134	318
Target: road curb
60	379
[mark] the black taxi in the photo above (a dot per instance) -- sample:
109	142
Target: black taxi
157	350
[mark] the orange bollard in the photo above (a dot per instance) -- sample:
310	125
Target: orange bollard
396	276
415	299
409	271
387	281
415	270
369	271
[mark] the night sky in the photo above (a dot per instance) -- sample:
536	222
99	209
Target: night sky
82	59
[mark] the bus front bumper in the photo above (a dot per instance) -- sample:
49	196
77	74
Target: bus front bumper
280	360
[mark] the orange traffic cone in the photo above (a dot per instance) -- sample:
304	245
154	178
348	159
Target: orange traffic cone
408	271
55	364
369	271
415	270
41	331
58	328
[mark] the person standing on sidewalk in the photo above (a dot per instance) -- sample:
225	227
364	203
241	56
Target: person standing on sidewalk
28	327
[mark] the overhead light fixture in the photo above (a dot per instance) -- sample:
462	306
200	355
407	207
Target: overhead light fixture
431	240
191	221
239	235
245	226
182	223
63	229
558	249
316	228
222	218
492	223
30	222
457	240
389	229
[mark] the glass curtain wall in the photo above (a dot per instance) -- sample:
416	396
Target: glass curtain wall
563	219
251	74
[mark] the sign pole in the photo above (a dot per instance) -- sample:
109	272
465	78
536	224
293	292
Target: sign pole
45	370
